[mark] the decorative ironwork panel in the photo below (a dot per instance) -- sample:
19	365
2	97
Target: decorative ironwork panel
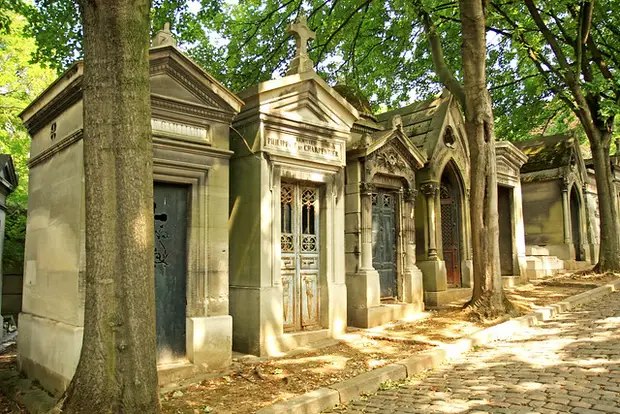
450	233
170	207
310	299
384	243
300	247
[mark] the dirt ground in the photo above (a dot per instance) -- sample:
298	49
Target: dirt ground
255	383
7	362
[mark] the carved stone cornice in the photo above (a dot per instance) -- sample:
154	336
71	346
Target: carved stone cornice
430	188
565	184
367	188
410	194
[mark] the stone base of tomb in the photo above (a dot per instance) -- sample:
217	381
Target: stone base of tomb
364	306
467	273
382	314
510	281
258	328
434	272
49	351
445	297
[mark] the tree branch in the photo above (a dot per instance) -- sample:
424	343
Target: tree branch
441	68
533	75
339	28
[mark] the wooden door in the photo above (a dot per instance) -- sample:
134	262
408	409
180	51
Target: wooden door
300	249
450	234
170	205
504	209
384	242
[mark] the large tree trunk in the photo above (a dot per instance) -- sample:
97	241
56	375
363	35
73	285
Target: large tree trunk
609	259
488	299
117	367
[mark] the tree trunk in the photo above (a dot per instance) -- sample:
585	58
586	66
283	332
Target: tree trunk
488	300
117	370
609	259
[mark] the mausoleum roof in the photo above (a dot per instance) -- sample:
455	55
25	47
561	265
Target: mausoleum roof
356	98
8	177
548	152
423	120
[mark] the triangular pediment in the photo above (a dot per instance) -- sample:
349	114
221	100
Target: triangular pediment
303	98
393	147
304	106
173	75
8	175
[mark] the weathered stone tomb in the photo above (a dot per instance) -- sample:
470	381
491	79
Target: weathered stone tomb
552	183
287	271
510	213
383	282
8	183
191	116
442	229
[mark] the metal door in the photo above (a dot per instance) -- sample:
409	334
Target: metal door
450	235
504	209
575	223
384	242
170	205
299	243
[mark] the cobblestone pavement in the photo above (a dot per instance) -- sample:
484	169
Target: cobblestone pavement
570	364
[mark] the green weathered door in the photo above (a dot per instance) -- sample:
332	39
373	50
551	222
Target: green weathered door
170	204
384	241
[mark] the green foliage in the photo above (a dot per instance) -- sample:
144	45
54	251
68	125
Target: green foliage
20	83
14	239
376	47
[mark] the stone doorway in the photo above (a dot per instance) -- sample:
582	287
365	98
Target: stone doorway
450	222
504	209
384	242
170	207
300	249
575	221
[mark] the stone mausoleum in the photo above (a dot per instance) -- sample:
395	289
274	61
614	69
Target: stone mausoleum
8	183
383	282
512	252
286	213
287	204
442	230
553	182
191	116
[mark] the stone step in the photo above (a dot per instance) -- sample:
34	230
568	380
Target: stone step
540	267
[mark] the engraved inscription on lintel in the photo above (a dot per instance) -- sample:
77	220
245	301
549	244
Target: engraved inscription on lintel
180	129
303	146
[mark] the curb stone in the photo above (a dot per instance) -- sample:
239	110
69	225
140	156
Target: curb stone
348	390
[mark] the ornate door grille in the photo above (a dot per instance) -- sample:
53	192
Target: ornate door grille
384	242
299	244
450	235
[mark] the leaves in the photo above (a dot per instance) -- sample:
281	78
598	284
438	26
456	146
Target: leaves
20	83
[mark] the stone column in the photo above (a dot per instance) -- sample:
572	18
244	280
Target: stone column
430	190
366	190
409	227
566	212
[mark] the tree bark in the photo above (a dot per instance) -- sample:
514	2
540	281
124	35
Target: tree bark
609	259
488	299
117	370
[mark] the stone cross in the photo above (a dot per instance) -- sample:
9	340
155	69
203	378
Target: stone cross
302	33
164	37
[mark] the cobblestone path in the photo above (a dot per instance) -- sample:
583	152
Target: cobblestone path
570	364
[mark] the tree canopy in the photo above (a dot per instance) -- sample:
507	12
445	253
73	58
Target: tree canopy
20	83
377	47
